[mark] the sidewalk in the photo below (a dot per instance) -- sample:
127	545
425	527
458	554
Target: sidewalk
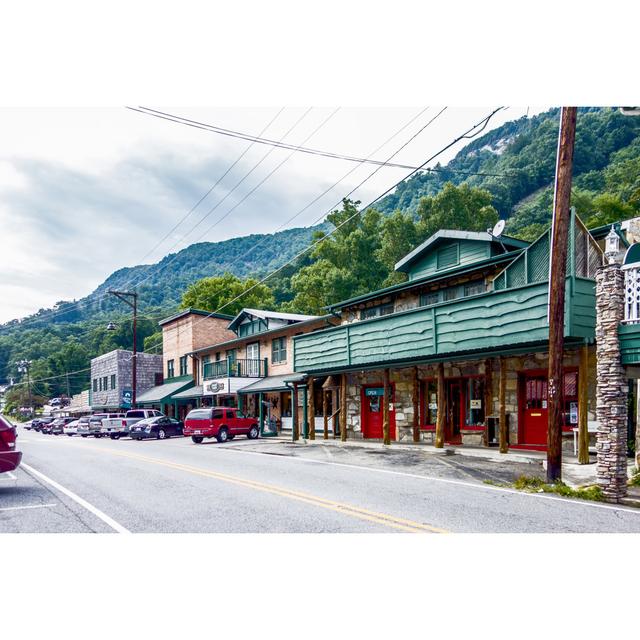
573	473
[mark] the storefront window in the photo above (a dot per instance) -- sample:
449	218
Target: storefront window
431	402
474	414
570	399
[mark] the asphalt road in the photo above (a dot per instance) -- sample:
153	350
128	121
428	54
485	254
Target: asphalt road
70	485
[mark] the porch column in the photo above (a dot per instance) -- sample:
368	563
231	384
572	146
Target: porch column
312	410
305	416
504	431
611	396
325	434
260	411
343	408
240	401
583	385
442	408
385	409
295	433
416	406
335	407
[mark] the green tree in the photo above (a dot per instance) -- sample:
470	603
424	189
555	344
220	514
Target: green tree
399	237
220	293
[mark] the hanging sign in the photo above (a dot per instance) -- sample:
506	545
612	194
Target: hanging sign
127	397
374	391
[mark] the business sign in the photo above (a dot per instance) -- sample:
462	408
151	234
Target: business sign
126	398
475	404
374	391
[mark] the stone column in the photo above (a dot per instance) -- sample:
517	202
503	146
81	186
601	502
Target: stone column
612	389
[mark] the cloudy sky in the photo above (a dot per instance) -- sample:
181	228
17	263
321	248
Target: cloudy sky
84	192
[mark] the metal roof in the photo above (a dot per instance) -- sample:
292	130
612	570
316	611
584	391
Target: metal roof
192	392
454	234
163	391
263	315
271	383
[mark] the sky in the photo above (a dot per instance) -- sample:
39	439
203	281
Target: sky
86	191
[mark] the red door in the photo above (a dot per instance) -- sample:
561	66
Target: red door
535	410
372	398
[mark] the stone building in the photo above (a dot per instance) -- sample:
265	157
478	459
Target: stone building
111	377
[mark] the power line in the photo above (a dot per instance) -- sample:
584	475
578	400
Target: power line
469	133
317	152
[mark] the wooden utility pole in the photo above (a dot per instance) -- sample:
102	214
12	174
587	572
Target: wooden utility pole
442	408
583	385
312	410
385	409
343	408
416	406
557	280
503	437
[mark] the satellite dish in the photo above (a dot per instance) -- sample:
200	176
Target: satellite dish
498	229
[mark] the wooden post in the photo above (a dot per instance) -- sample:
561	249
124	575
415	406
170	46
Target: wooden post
504	432
325	435
294	413
416	406
583	394
343	408
557	279
312	410
442	408
386	436
488	395
334	406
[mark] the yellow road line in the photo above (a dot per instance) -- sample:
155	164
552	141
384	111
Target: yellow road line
339	507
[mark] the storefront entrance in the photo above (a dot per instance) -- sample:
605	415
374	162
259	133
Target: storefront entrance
372	399
455	415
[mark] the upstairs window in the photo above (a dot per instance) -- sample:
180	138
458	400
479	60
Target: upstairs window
95	384
279	350
451	294
183	365
374	312
170	369
250	328
113	381
474	288
427	299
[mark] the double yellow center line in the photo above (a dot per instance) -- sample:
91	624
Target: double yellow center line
387	520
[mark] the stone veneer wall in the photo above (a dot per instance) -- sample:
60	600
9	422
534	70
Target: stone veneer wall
612	390
403	380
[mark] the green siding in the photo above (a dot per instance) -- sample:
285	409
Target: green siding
581	308
630	343
469	251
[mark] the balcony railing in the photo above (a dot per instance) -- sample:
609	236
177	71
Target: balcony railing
238	368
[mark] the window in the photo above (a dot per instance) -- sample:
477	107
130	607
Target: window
231	355
450	294
474	288
113	381
431	402
253	351
95	384
205	361
99	384
170	370
105	383
183	365
374	312
279	350
250	328
217	414
474	413
448	256
218	356
427	299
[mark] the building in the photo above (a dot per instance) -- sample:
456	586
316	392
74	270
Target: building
112	382
461	347
182	334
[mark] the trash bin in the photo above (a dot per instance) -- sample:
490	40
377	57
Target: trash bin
269	428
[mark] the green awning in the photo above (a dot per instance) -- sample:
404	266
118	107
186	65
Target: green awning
163	392
188	394
272	383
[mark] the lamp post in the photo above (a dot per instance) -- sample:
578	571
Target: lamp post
131	298
24	366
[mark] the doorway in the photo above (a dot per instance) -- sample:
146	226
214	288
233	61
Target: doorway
372	399
455	412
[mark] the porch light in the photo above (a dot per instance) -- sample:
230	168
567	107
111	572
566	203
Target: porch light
612	246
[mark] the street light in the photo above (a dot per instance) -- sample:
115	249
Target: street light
131	298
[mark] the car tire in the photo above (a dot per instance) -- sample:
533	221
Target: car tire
197	439
254	432
162	434
223	434
115	436
83	435
70	434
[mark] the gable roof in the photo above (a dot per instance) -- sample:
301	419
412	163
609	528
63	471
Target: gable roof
197	312
454	234
264	315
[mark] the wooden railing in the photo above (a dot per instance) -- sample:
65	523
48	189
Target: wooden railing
237	368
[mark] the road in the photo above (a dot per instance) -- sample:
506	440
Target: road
73	485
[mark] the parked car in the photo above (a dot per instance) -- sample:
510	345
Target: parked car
46	427
71	428
9	457
159	427
96	420
27	425
119	426
84	428
39	423
55	402
58	425
221	423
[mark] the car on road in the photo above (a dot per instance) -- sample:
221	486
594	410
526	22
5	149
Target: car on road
96	420
120	425
84	428
28	425
10	457
58	425
159	427
39	423
221	423
71	428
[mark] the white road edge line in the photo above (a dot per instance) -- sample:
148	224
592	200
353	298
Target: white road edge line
76	498
28	506
473	485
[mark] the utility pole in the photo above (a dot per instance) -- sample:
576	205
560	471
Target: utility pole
131	298
68	389
24	366
557	282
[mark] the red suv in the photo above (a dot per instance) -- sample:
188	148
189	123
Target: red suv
9	457
221	423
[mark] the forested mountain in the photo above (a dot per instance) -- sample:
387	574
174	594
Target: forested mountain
507	172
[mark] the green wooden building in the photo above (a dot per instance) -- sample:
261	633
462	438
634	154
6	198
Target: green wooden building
463	341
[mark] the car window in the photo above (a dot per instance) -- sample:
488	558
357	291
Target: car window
199	414
239	414
217	414
136	414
